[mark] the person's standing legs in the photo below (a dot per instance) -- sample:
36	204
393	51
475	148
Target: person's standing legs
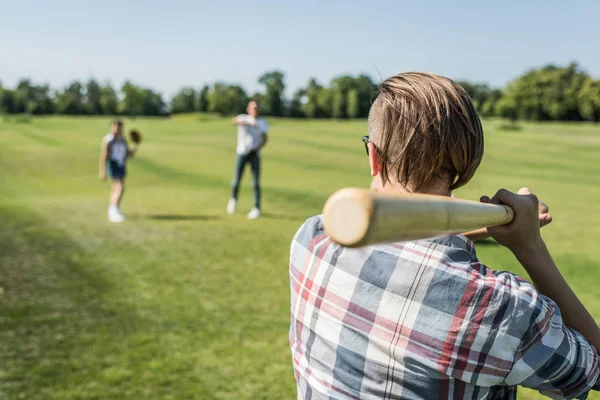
255	164
117	175
114	215
117	192
240	164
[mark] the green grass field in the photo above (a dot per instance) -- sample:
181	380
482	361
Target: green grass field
186	302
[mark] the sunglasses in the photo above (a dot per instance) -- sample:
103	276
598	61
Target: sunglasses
365	140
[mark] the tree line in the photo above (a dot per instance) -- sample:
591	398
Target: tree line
77	98
548	93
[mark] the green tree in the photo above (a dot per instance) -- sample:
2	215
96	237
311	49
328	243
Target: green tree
184	101
316	100
202	100
27	97
338	104
152	103
340	87
324	103
6	101
295	107
310	107
37	99
131	104
353	104
109	102
22	96
366	94
227	99
44	100
482	95
91	100
70	100
259	98
547	93
272	102
140	101
507	107
589	100
489	108
363	90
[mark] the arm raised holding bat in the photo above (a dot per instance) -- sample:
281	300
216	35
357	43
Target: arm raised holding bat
522	237
483	233
385	285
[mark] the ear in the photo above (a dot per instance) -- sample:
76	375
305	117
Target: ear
374	161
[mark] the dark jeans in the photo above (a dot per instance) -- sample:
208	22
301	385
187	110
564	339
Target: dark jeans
254	159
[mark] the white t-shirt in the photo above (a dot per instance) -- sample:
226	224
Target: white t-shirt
117	149
250	137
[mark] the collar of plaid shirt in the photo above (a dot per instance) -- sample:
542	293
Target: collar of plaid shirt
423	320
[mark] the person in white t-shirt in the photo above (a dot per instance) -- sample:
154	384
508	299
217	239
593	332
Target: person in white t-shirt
252	137
113	160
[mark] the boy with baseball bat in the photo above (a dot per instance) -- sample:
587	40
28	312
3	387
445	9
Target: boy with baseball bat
425	319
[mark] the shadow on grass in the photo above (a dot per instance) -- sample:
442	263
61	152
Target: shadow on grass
510	126
57	303
288	195
45	140
178	217
283	217
18	118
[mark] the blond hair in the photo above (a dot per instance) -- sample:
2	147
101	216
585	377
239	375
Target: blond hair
426	130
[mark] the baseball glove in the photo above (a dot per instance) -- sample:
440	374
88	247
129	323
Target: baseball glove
136	136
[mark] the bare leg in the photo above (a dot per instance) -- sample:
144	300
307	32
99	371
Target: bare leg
116	193
122	192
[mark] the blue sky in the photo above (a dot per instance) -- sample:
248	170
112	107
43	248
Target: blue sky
196	42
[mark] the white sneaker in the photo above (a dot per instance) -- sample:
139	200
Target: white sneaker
254	213
231	206
114	215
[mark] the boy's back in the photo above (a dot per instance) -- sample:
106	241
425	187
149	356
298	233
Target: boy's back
422	320
426	320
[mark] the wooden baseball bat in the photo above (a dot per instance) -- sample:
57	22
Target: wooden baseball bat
357	217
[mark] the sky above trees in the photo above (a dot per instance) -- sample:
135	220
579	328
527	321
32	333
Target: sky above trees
166	47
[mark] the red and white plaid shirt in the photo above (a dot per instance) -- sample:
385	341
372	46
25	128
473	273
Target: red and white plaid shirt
424	320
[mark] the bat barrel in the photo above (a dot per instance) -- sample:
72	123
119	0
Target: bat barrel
357	217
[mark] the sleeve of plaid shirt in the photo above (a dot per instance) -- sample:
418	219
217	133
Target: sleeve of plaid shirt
551	358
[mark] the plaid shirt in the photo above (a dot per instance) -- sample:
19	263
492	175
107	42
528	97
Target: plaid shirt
424	320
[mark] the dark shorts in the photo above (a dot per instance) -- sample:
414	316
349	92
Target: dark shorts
115	171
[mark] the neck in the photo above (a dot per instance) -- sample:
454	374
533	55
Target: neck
440	189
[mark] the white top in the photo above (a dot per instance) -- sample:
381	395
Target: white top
117	149
250	137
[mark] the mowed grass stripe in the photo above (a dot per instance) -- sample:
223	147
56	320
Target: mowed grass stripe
185	301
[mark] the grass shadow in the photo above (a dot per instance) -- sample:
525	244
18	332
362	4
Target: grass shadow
510	126
178	217
55	298
18	118
45	140
293	196
282	217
